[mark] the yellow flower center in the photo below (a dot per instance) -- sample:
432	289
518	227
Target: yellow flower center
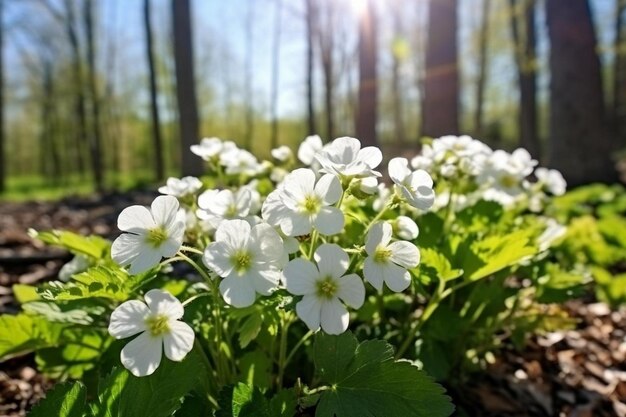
242	261
326	288
231	212
311	204
157	325
156	237
382	254
508	181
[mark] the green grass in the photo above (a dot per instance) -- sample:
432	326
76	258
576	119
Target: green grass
33	187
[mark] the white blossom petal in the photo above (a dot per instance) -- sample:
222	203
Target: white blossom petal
397	278
328	188
404	254
237	292
164	209
234	233
264	281
163	303
373	273
126	248
351	290
331	260
378	235
329	221
309	311
267	243
371	156
128	319
148	258
217	257
398	169
334	317
178	342
142	355
300	276
135	219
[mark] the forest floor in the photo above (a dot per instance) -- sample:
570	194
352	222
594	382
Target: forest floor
574	373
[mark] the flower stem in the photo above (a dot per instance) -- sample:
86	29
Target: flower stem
297	346
314	237
379	215
282	349
191	249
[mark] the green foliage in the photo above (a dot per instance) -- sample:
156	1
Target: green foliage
21	334
364	379
243	400
91	246
64	400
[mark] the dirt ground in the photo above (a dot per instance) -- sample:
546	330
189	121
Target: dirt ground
574	373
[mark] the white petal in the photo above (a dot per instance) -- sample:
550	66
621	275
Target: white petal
135	219
237	292
179	341
148	258
344	149
173	243
405	254
222	202
309	311
217	257
234	233
351	290
205	200
142	355
331	260
163	303
329	221
266	243
299	183
420	178
296	224
264	281
378	235
371	156
398	169
164	209
126	248
328	188
373	273
274	210
334	316
397	278
243	201
128	319
300	276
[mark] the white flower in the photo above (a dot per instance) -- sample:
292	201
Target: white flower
299	204
160	327
247	258
323	287
208	148
369	185
552	180
78	264
383	195
151	234
218	205
181	187
309	148
282	153
239	161
345	158
405	228
416	187
552	234
388	262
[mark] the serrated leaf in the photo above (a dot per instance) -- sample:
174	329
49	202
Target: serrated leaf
64	400
158	395
366	381
242	400
431	258
92	246
63	313
21	334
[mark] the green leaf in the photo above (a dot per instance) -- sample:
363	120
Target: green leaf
92	246
242	400
64	312
21	334
364	380
64	400
158	395
480	216
436	265
25	293
284	404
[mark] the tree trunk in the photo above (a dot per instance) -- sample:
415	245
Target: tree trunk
368	100
483	64
3	165
249	76
440	109
396	85
619	71
326	39
310	93
154	104
580	145
186	86
95	142
275	75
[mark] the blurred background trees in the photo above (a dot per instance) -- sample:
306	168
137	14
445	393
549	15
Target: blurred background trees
111	92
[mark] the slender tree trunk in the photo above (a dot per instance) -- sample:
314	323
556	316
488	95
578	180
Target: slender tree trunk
186	86
159	172
483	67
3	165
580	145
524	42
249	76
51	157
82	139
310	92
96	140
367	114
396	84
440	110
326	39
619	71
275	74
